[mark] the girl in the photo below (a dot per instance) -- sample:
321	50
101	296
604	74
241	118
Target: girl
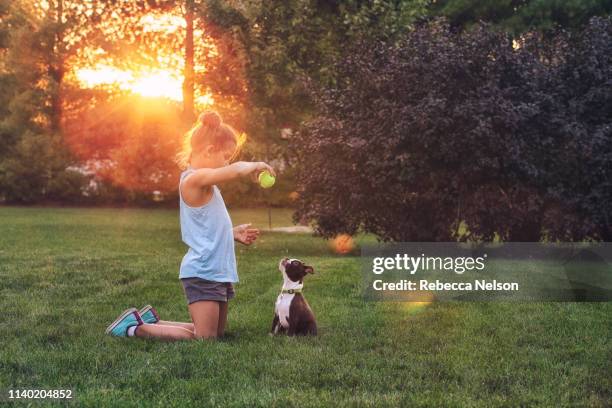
208	270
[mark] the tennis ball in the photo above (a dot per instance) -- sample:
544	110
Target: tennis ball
266	180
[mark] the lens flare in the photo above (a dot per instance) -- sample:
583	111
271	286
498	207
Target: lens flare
409	302
342	244
425	298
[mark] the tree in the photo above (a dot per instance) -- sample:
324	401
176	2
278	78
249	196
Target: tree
519	16
267	47
7	79
188	109
42	41
279	42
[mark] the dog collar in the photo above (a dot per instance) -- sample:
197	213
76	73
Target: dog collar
291	291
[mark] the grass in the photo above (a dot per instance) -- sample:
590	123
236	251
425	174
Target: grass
66	273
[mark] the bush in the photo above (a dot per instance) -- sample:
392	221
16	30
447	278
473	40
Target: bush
582	176
37	169
443	130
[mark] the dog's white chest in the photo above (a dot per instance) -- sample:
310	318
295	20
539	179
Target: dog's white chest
283	303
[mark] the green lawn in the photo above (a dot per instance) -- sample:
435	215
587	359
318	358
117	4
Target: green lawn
66	273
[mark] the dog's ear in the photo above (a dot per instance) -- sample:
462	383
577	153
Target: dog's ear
308	269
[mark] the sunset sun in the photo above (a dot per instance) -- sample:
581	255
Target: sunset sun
151	83
147	81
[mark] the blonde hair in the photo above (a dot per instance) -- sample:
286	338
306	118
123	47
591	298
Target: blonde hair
209	130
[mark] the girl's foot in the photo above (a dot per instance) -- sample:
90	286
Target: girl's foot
149	315
122	325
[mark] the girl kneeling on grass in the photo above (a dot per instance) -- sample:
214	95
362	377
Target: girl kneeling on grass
209	267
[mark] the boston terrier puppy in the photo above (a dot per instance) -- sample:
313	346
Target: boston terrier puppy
292	314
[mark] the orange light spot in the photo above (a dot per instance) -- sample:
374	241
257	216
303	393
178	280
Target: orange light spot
342	244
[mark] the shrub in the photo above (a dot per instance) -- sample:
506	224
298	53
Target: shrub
442	130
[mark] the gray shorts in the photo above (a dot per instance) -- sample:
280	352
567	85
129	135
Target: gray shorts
201	289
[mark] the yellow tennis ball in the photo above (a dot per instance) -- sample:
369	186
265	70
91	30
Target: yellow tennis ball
266	180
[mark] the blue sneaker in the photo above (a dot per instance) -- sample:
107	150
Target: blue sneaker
127	319
149	315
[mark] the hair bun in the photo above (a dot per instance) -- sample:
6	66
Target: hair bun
210	119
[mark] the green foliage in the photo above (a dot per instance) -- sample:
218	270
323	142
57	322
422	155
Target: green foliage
380	19
284	41
519	16
35	171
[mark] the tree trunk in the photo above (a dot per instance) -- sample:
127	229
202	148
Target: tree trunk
188	83
56	70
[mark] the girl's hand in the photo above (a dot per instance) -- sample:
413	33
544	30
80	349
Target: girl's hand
244	234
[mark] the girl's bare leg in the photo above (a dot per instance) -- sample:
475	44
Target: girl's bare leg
188	326
222	318
205	317
163	332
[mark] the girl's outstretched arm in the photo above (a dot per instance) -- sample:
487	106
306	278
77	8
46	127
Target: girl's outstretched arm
207	177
